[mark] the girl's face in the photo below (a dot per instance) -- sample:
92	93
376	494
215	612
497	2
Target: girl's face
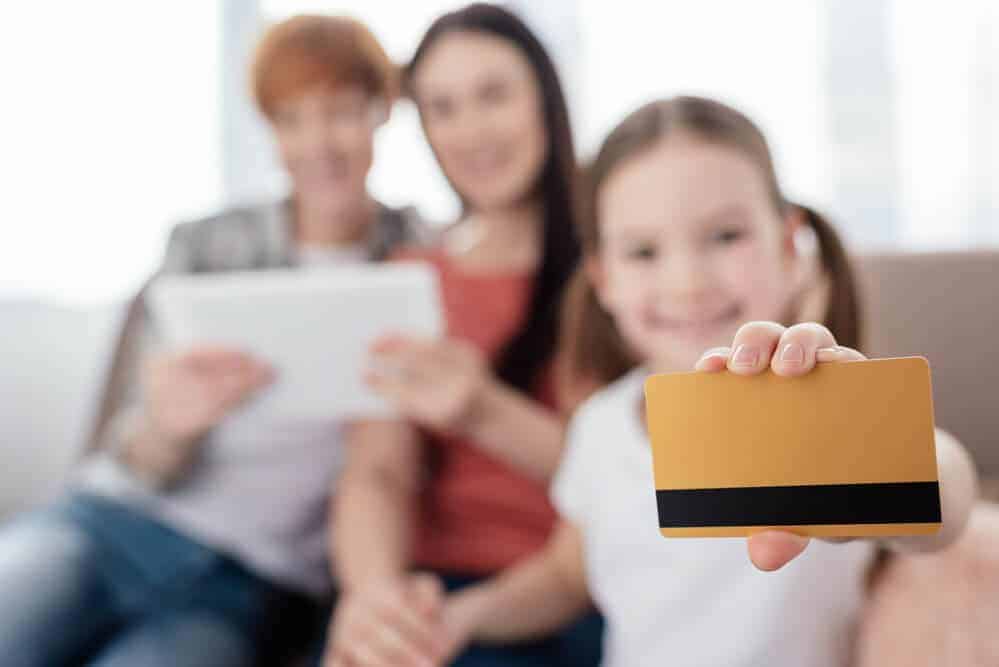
481	108
692	247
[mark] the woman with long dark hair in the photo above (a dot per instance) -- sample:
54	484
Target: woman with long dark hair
458	490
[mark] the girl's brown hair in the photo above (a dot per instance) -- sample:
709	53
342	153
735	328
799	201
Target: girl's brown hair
595	353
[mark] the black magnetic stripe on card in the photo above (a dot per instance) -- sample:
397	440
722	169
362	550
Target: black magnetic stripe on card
819	504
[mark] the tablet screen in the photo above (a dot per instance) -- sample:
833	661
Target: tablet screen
313	327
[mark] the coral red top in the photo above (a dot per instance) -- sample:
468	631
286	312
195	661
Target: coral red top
478	514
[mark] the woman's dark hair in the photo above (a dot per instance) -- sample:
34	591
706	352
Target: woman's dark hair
595	352
528	352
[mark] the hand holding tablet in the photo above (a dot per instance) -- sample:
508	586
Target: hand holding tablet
315	329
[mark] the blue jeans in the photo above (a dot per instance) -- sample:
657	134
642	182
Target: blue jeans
578	645
93	582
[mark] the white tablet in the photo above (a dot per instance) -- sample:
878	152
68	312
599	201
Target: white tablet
314	327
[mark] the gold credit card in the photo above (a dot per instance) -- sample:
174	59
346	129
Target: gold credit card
847	450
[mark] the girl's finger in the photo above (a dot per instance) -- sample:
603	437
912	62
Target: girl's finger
838	353
773	549
795	354
753	347
713	360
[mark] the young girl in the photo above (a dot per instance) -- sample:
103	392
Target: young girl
686	238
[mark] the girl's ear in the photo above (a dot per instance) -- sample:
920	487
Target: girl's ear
794	221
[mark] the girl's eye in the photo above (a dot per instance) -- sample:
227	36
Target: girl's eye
643	252
728	236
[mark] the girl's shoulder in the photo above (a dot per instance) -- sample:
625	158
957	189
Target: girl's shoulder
611	403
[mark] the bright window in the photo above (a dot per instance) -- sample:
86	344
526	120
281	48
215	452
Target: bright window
123	118
109	136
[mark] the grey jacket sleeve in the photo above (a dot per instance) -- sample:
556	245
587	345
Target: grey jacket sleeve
120	404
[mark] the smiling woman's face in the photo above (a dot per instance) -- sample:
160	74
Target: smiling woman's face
481	107
326	138
692	247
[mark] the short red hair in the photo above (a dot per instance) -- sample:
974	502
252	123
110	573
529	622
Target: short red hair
308	49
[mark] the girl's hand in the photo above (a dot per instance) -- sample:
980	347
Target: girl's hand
439	384
790	352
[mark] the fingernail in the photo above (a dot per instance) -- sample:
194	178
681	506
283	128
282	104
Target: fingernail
793	353
745	356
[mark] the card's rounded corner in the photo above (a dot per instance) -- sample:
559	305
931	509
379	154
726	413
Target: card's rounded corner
922	361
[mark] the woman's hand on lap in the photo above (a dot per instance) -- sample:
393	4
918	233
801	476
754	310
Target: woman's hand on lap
390	624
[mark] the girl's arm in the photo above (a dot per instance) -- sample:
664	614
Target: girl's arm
771	550
958	491
766	341
533	599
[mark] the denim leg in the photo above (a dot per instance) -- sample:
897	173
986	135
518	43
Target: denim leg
535	654
581	643
182	638
55	606
577	645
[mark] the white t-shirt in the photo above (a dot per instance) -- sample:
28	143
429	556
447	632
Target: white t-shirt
692	601
319	256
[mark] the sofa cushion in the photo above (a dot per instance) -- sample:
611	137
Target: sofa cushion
944	306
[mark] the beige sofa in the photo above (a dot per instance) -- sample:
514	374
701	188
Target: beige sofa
944	306
941	609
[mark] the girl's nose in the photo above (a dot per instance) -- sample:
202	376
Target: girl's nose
683	275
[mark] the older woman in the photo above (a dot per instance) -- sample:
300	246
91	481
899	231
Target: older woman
185	528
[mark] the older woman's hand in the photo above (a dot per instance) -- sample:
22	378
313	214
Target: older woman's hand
186	394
